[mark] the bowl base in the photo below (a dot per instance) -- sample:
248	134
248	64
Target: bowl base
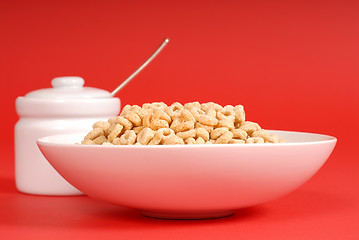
188	215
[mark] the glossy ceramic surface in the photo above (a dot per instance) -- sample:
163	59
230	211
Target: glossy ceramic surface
188	181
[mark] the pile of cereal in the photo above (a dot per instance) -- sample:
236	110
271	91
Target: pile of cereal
192	123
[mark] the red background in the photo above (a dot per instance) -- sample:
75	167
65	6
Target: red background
292	64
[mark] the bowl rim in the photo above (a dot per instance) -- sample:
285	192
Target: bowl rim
46	141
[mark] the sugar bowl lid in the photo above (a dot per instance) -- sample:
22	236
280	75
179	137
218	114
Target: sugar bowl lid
68	98
69	87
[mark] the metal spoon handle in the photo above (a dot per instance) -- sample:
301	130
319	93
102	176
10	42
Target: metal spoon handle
140	68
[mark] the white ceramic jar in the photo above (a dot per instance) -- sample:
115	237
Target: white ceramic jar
68	107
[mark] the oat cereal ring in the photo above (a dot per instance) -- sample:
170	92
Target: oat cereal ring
184	126
161	135
212	113
239	134
273	139
187	134
159	105
225	138
139	111
128	138
211	105
127	124
200	125
170	113
187	116
173	139
216	133
160	114
99	140
227	122
176	107
106	143
226	114
145	136
250	127
147	106
237	141
202	133
255	140
138	129
102	124
200	140
175	123
133	118
229	107
115	131
96	132
156	124
126	108
191	105
207	120
195	112
239	114
209	142
88	142
266	136
146	122
116	141
112	120
190	141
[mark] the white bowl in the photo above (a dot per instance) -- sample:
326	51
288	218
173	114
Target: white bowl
188	181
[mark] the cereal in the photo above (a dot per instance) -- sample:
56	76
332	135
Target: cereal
145	136
239	134
237	141
268	138
96	132
100	139
160	114
202	133
115	132
191	105
187	116
139	111
192	123
88	142
133	118
102	124
138	129
190	141
250	127
207	120
127	125
254	140
184	126
161	135
226	113
239	114
200	140
187	134
225	138
128	138
173	139
200	125
226	122
216	133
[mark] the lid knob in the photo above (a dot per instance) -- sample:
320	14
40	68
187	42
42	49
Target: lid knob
68	82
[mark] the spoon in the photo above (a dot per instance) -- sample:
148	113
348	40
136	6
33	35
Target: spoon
141	67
